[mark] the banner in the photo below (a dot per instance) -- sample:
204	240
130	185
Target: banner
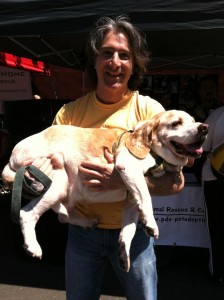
15	84
181	218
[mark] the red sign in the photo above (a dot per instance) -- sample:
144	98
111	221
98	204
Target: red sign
14	61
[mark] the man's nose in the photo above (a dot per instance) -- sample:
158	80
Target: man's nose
116	59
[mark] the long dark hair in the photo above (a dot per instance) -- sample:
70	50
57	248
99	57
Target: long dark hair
137	42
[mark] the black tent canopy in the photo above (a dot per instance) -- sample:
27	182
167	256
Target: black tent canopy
180	34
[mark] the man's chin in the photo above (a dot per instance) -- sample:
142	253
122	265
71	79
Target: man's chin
114	85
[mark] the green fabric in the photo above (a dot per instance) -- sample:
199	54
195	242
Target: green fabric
22	187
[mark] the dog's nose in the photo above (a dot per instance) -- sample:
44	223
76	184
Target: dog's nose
203	128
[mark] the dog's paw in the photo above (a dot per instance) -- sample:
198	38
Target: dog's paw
34	251
151	230
124	259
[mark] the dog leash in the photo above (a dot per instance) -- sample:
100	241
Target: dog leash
22	182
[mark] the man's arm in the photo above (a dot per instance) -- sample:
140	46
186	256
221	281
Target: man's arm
166	184
104	176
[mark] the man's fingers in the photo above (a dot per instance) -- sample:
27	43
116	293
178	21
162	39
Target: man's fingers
101	173
43	164
27	162
48	171
90	173
91	165
46	166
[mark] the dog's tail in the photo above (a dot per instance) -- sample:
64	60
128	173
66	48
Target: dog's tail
8	176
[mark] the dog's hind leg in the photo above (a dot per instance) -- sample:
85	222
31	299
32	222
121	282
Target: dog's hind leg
30	214
28	220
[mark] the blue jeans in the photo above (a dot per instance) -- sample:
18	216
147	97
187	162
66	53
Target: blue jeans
87	254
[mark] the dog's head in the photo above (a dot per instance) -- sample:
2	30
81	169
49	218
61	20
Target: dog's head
173	135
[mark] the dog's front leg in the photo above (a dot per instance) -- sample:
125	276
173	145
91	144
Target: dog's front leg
128	229
131	170
28	220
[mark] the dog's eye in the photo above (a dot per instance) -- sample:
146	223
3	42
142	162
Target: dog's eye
176	123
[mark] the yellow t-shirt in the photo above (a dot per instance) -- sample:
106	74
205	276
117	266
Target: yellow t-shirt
89	112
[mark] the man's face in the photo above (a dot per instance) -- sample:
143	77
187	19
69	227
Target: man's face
114	63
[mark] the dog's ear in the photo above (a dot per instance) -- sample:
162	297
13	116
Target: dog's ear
139	142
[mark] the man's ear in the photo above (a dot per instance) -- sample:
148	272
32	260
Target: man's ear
139	142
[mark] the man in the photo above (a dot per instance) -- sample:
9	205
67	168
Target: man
117	59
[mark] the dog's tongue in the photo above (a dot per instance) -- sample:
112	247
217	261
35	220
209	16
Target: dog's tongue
199	151
193	148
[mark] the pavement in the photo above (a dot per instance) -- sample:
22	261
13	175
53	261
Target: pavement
182	271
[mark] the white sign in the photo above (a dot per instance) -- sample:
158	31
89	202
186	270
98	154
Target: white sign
15	84
181	218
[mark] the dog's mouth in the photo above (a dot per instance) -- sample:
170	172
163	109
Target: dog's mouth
191	150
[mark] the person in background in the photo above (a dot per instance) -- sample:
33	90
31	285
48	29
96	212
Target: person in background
117	59
214	195
207	98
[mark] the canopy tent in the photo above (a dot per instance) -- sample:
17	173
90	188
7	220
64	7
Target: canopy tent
180	34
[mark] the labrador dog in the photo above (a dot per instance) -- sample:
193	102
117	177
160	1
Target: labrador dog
173	136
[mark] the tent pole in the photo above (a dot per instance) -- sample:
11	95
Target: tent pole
83	83
53	87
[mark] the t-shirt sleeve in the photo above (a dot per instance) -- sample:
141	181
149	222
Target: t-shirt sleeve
62	117
154	107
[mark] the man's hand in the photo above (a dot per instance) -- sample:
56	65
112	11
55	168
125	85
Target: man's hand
101	176
44	164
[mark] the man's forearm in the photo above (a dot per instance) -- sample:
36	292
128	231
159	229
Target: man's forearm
168	184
